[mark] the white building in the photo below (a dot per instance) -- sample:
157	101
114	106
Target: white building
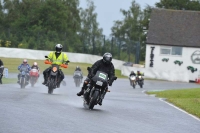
174	38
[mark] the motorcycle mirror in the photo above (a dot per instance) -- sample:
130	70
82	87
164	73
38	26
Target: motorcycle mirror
88	68
46	56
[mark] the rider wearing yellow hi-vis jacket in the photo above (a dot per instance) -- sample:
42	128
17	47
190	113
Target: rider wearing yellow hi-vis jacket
56	58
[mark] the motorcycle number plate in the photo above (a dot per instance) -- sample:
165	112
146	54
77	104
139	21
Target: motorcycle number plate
99	83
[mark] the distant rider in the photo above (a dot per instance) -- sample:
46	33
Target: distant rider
1	70
57	57
78	68
24	66
35	66
139	74
131	74
104	65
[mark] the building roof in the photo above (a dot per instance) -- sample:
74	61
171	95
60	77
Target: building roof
174	28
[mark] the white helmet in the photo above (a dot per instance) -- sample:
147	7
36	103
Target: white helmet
35	63
58	48
25	61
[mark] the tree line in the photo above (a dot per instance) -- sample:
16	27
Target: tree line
40	24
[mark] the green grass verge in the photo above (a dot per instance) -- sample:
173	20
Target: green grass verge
9	80
13	63
186	99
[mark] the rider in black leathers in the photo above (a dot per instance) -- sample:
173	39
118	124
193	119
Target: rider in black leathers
132	73
78	68
1	62
104	65
1	70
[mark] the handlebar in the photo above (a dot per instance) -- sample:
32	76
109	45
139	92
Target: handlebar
49	62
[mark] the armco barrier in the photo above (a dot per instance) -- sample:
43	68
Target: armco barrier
171	75
39	55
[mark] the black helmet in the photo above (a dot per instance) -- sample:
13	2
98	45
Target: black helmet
107	58
58	48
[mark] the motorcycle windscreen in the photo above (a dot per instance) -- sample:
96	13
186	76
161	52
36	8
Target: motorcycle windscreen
132	77
34	72
23	68
100	78
77	74
23	73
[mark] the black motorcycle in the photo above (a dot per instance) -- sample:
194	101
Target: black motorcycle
1	74
96	89
54	76
78	78
140	81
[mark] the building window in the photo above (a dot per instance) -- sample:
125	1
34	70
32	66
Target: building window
165	50
176	50
171	51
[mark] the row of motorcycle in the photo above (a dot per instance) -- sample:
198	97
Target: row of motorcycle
97	87
23	77
1	73
136	80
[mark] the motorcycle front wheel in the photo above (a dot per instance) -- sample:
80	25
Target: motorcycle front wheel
32	82
51	86
22	82
93	99
0	79
50	90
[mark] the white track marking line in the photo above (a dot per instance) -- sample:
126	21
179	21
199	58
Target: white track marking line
161	99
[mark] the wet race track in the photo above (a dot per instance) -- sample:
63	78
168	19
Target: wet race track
124	110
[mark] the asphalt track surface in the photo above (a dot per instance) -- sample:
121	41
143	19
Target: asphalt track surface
124	110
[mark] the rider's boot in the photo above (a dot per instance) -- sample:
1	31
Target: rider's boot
81	92
45	81
18	79
58	84
100	102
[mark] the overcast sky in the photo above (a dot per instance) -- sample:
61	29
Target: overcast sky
109	10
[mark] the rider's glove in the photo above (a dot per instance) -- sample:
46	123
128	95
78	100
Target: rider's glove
90	75
67	62
110	83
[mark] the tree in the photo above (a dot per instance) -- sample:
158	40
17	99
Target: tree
128	30
47	22
90	33
179	4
